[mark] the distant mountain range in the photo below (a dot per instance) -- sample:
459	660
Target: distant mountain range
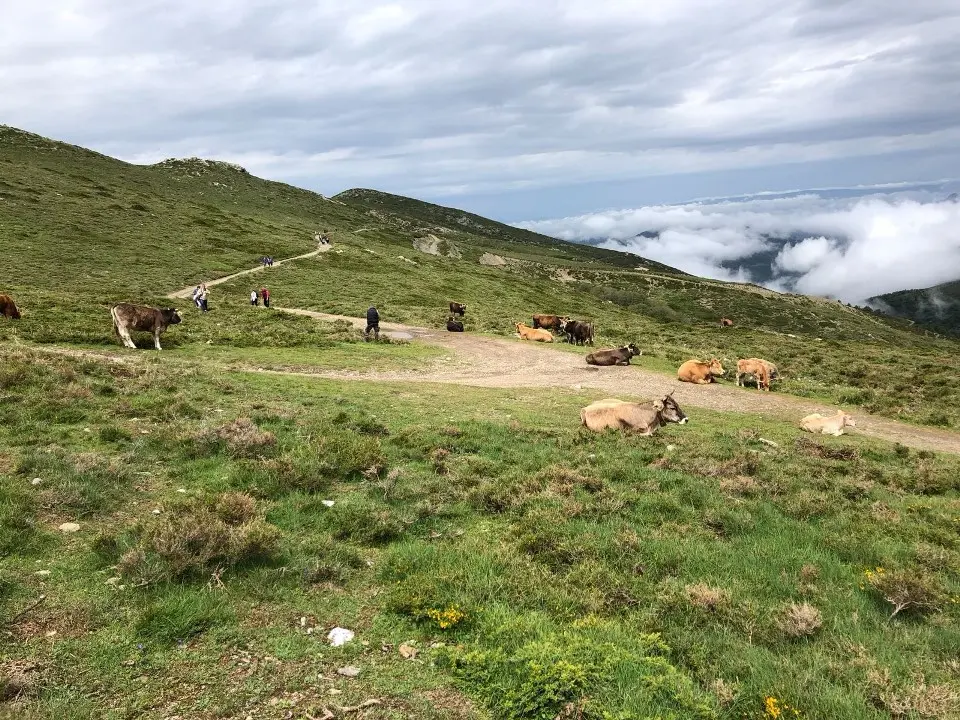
937	307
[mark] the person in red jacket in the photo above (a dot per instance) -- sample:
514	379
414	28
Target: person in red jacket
265	296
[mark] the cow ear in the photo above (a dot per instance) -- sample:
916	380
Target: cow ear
658	404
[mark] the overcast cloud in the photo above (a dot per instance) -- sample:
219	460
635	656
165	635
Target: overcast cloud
852	247
463	101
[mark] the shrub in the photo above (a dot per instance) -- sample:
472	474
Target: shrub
242	438
801	620
906	590
198	538
704	597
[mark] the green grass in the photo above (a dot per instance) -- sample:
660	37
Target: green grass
623	575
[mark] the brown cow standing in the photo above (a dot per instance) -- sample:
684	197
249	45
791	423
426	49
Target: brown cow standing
8	308
458	309
701	373
550	322
127	317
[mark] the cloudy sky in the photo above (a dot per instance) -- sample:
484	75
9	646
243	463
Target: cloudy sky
522	111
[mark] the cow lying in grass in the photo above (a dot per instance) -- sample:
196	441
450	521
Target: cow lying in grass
454	325
701	373
828	425
535	334
642	418
614	356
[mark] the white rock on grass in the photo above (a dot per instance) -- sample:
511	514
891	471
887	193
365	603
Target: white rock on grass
328	503
69	527
339	636
36	481
350	671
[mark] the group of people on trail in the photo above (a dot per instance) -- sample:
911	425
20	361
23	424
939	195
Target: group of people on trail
266	261
257	296
200	296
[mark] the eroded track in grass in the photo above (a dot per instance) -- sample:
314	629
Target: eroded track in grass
484	361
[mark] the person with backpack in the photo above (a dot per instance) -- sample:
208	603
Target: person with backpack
373	323
265	294
202	298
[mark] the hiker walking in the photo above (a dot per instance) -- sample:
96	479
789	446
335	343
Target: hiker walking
202	298
254	298
196	296
265	294
373	323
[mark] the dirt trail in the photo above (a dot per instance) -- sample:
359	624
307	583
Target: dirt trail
483	361
188	291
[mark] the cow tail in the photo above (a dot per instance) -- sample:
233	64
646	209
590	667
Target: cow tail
116	323
583	417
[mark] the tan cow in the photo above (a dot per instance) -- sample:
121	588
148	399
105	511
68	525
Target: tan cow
701	373
726	322
828	425
644	418
756	368
528	333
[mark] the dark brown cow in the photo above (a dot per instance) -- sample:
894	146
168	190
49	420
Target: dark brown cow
614	356
577	332
8	308
454	325
549	322
458	309
127	317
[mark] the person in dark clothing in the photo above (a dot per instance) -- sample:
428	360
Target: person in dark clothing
265	295
373	323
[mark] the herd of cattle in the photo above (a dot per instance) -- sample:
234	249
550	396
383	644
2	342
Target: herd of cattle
643	418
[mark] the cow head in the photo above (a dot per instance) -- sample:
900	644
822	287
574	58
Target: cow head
669	410
716	368
518	326
632	349
848	420
171	315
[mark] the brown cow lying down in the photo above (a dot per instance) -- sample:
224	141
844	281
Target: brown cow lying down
550	322
701	373
829	425
614	356
127	317
529	333
726	322
8	308
644	418
761	371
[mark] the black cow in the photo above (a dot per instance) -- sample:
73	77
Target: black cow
614	356
127	317
454	325
458	309
578	332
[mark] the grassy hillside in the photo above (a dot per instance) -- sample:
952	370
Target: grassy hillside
936	307
493	559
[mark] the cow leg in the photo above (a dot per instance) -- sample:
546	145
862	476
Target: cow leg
156	339
127	340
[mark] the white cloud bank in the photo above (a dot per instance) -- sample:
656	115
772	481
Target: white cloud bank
851	248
